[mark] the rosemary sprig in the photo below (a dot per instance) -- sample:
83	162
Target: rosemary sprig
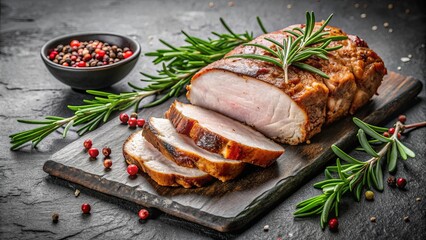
355	175
179	64
300	45
87	116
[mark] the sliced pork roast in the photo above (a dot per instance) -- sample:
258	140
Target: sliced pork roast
255	92
219	134
182	149
138	151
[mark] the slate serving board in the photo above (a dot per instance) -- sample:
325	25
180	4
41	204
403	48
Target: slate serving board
223	206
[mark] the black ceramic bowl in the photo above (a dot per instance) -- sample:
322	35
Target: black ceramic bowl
92	77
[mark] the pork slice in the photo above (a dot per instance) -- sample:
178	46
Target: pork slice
138	151
255	93
219	134
182	150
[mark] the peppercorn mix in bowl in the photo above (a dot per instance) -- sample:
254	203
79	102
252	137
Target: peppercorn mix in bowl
90	60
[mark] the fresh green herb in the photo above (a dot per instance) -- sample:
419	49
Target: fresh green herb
354	175
179	64
300	45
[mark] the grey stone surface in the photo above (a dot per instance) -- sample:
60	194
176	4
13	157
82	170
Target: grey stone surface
28	196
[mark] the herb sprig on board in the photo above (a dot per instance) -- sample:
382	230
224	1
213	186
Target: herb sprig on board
355	175
300	45
179	64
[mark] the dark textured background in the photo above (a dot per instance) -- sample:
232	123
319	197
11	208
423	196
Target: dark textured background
28	196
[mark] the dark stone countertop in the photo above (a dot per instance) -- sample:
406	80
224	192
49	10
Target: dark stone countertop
28	196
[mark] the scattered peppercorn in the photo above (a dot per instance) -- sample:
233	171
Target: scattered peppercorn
406	219
132	122
143	214
418	199
333	224
88	54
85	208
401	182
132	169
93	152
391	182
373	219
106	151
55	217
369	195
402	118
266	228
107	163
87	144
134	115
124	118
140	122
77	193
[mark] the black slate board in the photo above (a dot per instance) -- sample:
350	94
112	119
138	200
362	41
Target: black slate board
223	206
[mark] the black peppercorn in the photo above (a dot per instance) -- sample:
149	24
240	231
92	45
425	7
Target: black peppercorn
391	182
120	55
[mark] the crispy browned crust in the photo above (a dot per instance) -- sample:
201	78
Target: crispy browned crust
224	171
355	73
215	143
164	178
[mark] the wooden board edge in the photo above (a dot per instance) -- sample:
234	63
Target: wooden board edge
125	192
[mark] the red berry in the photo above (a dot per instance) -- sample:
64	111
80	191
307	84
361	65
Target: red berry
101	53
107	163
73	58
106	151
333	224
75	43
127	54
391	130
143	214
81	64
402	118
52	56
85	208
132	169
132	122
401	182
124	118
140	122
399	135
87	144
386	134
65	64
93	152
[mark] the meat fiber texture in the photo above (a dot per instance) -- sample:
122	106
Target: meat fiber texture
219	134
182	150
137	150
255	92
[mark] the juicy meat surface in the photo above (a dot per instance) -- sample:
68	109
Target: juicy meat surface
138	151
255	92
219	134
182	150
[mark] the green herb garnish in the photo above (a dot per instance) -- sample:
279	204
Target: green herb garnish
354	175
300	45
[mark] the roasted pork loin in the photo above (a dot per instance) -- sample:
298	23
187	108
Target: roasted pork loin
138	151
182	149
254	92
219	134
